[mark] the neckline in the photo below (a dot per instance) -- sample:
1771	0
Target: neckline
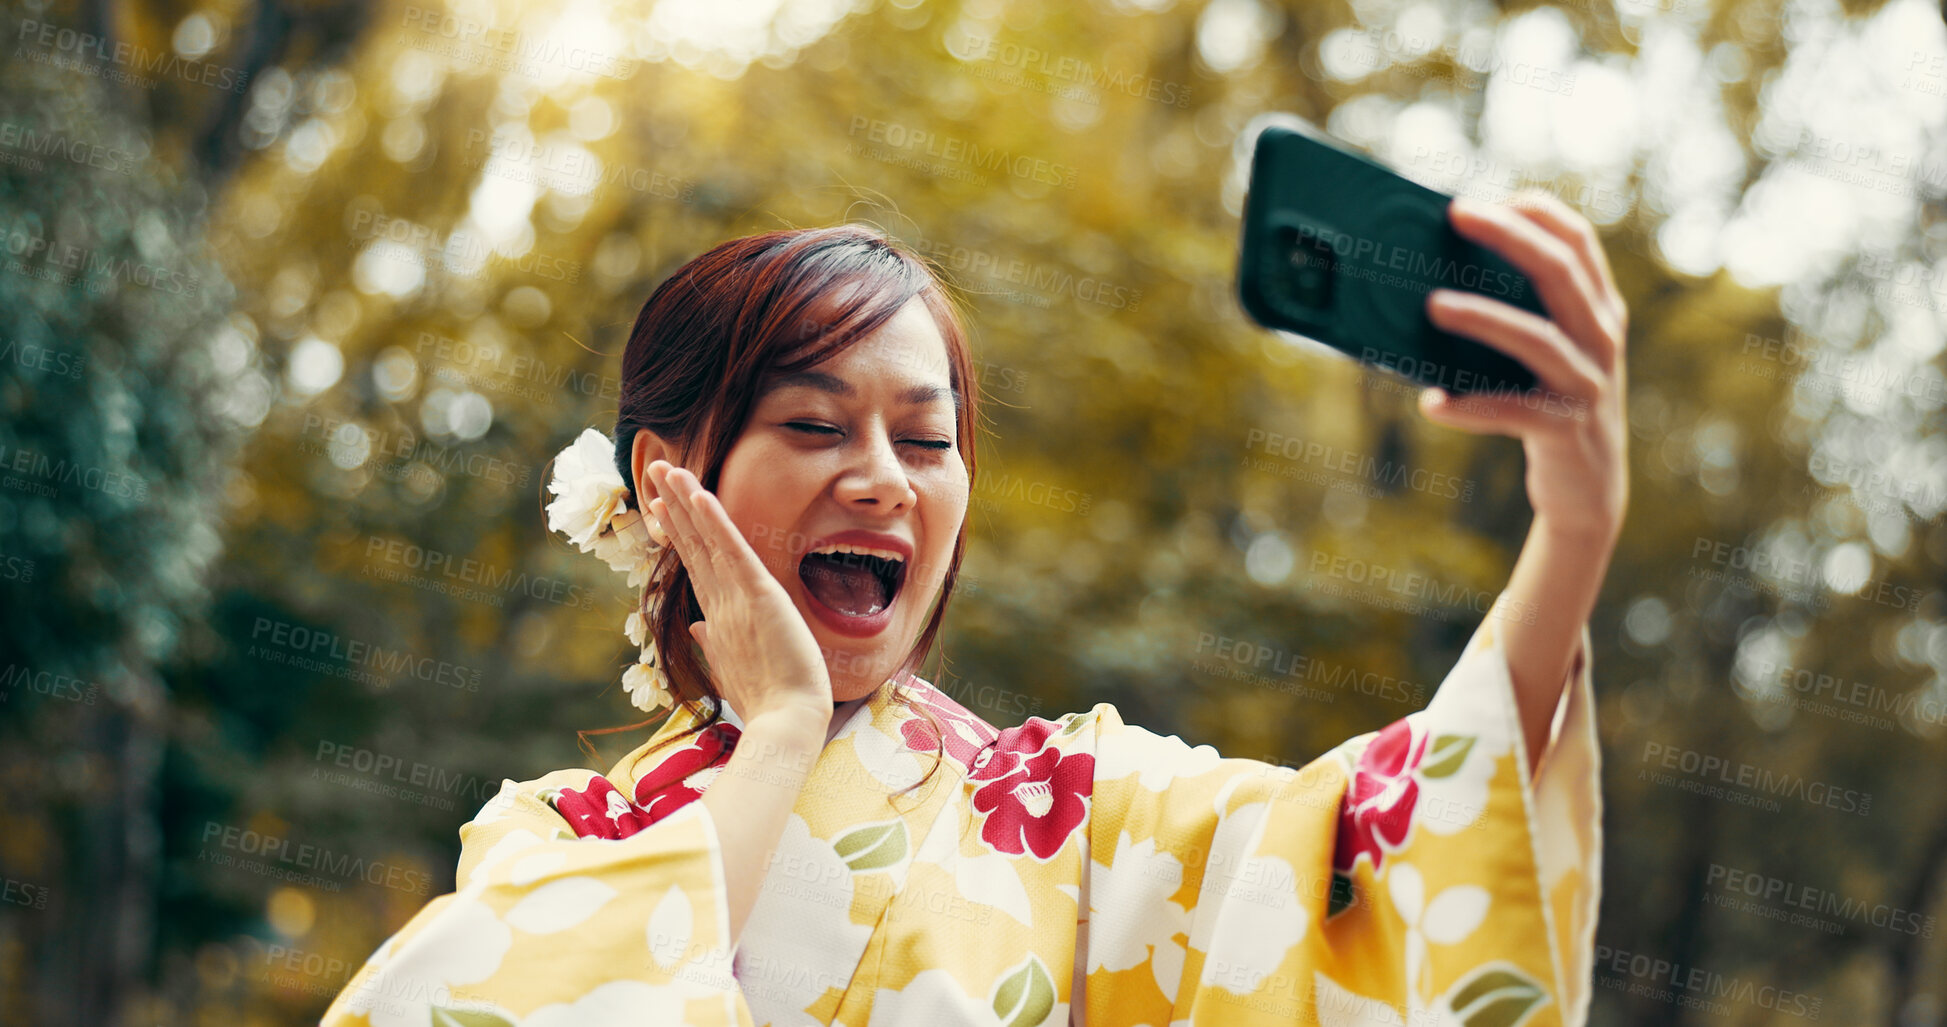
846	716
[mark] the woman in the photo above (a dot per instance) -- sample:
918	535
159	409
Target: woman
815	834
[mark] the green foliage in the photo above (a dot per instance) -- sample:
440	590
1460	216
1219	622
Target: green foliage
1127	536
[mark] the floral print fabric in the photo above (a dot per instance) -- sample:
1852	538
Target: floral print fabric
1079	870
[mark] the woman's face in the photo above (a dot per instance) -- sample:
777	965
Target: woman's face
867	441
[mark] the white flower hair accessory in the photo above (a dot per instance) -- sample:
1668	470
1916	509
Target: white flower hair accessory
591	508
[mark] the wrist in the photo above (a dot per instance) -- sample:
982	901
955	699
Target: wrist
1601	531
790	726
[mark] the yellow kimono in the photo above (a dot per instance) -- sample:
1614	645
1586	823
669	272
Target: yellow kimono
1072	871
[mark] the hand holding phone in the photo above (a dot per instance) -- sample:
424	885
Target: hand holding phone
1343	250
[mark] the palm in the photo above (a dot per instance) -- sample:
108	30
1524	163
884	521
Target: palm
761	653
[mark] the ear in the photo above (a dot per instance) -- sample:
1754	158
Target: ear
647	448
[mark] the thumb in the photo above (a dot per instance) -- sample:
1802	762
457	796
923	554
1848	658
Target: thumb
699	631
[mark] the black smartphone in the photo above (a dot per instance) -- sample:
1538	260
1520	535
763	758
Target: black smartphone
1343	250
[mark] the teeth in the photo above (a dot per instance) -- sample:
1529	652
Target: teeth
846	547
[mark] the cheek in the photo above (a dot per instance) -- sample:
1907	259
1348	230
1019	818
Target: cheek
944	509
763	515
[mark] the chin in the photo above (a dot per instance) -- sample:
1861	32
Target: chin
866	667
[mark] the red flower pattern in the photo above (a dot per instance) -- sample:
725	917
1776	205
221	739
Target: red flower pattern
1035	795
966	734
602	811
1377	810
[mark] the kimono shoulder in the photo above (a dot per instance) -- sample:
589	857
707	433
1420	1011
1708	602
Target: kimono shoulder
1091	870
551	926
1415	874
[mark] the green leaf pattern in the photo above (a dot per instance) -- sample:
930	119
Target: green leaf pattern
874	846
1026	996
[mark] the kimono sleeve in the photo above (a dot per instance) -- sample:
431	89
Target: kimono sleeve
1412	875
550	930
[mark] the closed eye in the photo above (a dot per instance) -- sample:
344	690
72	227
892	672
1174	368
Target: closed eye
826	429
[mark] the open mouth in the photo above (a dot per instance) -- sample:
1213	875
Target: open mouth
852	580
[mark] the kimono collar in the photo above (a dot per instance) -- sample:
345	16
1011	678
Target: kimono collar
843	714
848	717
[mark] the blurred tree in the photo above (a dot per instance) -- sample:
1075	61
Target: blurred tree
114	458
439	246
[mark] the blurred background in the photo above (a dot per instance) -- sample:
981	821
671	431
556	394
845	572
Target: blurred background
299	296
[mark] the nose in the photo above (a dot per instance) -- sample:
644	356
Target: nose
878	478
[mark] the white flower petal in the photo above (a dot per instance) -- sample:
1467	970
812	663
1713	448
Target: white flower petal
559	905
1455	913
670	927
617	1002
528	869
1408	891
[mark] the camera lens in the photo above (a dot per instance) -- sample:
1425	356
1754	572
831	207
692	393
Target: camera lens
1306	268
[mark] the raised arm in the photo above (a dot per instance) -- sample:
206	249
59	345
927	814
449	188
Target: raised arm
1573	428
1548	599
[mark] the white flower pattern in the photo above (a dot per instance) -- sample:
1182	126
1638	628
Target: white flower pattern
1195	891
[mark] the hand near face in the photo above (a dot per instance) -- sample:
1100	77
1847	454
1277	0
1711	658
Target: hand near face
762	656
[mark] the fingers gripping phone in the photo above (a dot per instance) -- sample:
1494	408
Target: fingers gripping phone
1342	250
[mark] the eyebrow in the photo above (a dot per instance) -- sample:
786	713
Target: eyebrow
837	386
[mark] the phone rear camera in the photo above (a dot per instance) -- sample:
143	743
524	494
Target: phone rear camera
1304	270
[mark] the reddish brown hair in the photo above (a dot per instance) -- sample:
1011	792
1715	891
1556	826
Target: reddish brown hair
704	343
